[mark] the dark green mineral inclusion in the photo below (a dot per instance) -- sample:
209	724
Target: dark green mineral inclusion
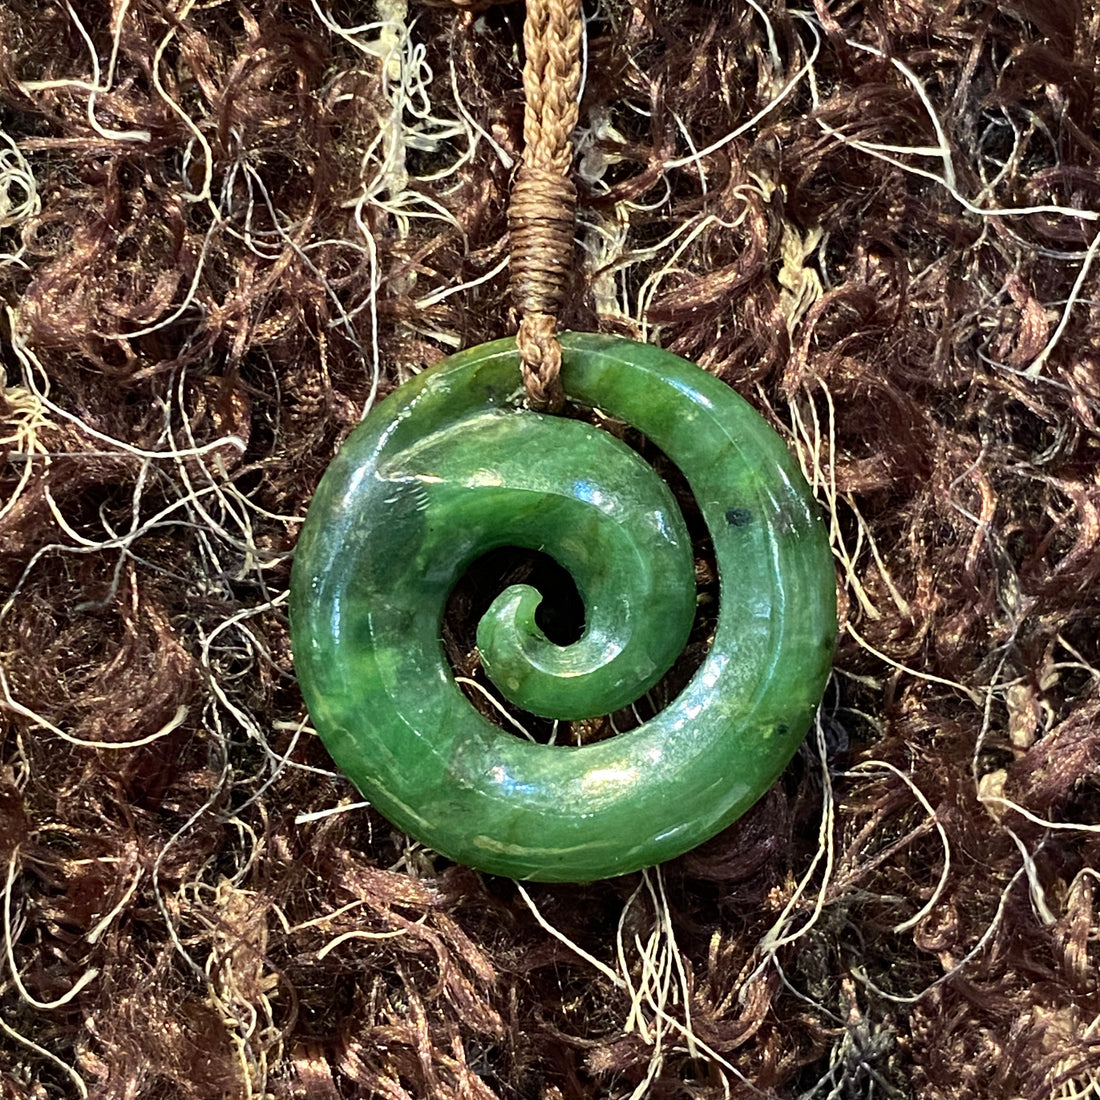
448	468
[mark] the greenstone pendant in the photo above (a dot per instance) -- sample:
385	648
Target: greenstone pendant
451	466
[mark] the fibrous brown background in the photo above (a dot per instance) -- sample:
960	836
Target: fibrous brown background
227	226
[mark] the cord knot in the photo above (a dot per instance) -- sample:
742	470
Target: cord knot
543	202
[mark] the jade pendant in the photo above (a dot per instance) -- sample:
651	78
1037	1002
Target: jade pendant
451	466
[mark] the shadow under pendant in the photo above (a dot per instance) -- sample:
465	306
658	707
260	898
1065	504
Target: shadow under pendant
451	466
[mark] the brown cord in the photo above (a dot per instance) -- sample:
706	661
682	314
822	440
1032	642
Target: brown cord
540	214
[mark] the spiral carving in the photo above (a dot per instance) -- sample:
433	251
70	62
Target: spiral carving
451	466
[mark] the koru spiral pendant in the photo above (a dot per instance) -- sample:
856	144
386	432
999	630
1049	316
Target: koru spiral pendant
451	466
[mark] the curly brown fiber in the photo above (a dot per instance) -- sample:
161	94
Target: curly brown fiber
872	221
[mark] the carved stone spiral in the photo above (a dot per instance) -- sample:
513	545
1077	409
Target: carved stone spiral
451	466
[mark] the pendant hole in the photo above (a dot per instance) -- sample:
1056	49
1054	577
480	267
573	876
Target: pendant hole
560	616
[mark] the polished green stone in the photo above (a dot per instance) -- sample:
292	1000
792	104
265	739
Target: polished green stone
450	466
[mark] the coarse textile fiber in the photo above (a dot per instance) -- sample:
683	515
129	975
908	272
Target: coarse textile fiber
229	227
